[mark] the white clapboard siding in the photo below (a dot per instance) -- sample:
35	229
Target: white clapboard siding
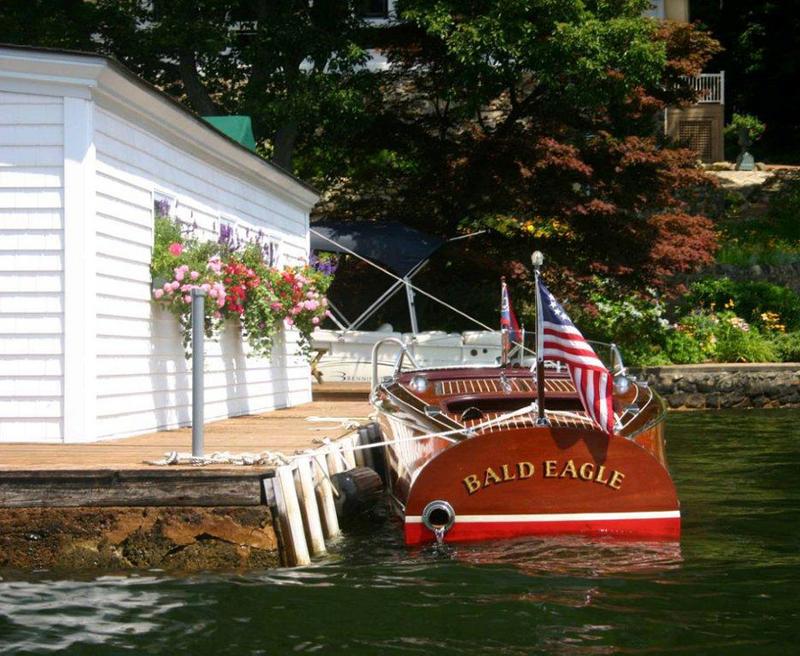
144	378
31	267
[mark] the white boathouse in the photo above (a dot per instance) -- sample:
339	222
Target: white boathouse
86	149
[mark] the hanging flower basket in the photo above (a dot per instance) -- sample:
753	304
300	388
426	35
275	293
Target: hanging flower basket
239	284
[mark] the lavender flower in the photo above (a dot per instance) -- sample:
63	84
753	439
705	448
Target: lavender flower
161	207
326	264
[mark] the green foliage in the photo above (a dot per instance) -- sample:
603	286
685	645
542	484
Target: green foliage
787	346
784	211
682	347
737	345
749	123
750	299
635	324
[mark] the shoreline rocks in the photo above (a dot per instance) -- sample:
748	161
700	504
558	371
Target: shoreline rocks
718	386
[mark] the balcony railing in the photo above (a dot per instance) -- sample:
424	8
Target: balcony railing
710	87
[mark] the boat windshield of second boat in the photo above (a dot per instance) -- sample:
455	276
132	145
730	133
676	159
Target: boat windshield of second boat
468	459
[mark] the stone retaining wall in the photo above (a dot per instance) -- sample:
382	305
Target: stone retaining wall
706	386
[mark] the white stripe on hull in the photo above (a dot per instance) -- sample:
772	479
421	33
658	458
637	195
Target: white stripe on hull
559	517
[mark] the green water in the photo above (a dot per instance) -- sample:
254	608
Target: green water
731	587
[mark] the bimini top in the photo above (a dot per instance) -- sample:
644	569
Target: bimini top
391	243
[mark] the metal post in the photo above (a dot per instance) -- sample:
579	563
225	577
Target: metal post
198	390
412	309
538	259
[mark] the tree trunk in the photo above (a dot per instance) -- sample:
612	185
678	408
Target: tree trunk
283	145
197	93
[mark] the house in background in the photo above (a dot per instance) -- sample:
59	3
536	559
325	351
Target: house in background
87	150
699	126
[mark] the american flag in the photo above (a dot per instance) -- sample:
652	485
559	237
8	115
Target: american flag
561	341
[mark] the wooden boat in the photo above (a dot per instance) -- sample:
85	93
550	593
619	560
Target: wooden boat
468	458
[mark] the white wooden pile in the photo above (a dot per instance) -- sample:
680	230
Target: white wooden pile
304	497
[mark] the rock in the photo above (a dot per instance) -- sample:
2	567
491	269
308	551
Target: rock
695	401
188	539
676	400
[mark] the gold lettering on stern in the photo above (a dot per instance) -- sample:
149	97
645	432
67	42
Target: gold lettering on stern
472	483
491	477
586	471
525	469
506	475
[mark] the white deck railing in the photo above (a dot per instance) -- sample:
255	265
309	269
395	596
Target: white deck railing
710	87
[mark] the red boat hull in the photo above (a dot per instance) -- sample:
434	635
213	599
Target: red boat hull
545	481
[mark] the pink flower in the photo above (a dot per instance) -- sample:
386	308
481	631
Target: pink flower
167	287
188	298
310	295
315	320
158	293
221	301
215	264
289	321
175	249
328	314
217	315
205	287
324	301
275	306
194	275
174	285
213	293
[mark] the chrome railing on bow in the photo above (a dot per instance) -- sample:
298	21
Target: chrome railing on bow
398	364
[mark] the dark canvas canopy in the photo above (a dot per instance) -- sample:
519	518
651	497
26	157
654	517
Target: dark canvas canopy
391	243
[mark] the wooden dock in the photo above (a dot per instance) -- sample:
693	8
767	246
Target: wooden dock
286	431
104	500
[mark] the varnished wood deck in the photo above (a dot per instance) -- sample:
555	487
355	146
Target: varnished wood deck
286	431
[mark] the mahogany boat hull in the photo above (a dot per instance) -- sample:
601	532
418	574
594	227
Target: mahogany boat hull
468	438
545	481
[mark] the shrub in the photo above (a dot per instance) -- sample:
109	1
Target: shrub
738	342
755	129
683	348
784	210
749	298
635	324
787	346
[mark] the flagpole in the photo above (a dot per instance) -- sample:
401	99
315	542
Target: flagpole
538	259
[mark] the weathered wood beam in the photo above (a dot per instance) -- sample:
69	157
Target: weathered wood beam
173	487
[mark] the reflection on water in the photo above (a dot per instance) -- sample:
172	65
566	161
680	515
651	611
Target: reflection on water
574	555
730	587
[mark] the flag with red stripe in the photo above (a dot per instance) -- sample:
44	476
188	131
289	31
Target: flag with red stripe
561	341
508	319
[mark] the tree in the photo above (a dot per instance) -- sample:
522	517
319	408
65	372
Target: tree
538	119
292	65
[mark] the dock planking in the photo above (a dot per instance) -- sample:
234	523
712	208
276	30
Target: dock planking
116	472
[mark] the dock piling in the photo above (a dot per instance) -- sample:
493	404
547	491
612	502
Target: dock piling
309	507
289	512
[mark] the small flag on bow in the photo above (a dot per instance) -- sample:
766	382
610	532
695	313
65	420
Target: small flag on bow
561	341
508	319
